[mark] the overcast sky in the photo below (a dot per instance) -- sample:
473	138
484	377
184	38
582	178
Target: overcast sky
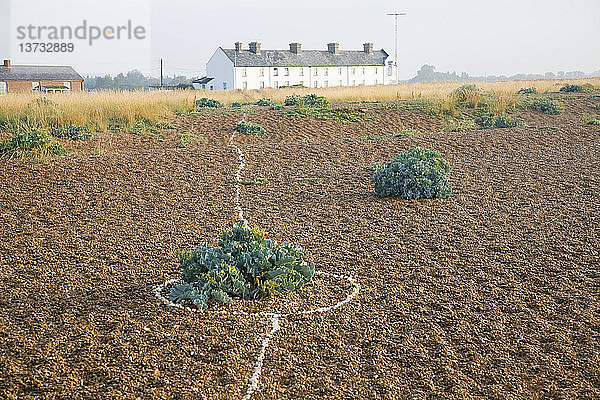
476	36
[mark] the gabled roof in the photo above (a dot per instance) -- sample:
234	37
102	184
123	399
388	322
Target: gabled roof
307	58
38	73
202	80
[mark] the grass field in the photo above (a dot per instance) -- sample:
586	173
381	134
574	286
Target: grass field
131	111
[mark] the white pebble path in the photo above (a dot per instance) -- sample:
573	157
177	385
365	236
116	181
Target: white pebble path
273	317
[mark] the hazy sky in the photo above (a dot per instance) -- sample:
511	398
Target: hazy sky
478	37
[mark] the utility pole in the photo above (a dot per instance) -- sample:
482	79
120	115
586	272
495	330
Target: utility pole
161	73
396	15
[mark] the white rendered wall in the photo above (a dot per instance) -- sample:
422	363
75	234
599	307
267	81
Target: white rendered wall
220	68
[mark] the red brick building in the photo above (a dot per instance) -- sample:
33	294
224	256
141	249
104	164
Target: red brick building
38	78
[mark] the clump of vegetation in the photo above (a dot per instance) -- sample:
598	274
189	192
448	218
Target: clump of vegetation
589	119
571	88
33	143
73	132
276	107
596	107
328	113
257	181
205	102
250	128
266	103
414	174
546	106
406	132
310	100
531	90
245	265
469	95
459	125
501	121
188	138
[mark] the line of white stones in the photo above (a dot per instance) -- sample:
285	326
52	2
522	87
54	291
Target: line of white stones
238	173
274	317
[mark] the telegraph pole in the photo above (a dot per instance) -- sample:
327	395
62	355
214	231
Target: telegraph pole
396	15
161	73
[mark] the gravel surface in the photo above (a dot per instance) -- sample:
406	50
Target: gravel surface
492	293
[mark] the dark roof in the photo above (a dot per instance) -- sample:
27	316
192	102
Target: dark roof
202	80
38	73
307	58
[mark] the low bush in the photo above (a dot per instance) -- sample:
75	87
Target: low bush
571	88
73	132
589	119
546	106
531	90
33	143
414	174
245	266
501	121
310	100
459	125
205	102
468	95
250	128
266	103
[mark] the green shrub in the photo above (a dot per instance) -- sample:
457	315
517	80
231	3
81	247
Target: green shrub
546	106
33	143
266	103
468	95
245	266
589	119
414	174
310	100
210	103
250	128
72	132
571	88
459	125
531	90
501	121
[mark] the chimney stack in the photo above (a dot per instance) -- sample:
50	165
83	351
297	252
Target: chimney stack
368	48
333	48
295	48
7	63
255	47
238	46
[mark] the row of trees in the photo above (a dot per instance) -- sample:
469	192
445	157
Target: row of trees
133	80
427	73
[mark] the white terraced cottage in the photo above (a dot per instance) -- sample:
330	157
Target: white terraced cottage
256	69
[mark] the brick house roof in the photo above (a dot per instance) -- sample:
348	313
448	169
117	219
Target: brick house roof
38	73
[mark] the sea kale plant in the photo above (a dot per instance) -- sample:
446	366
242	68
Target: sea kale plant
250	128
245	266
73	132
571	88
415	173
34	143
205	102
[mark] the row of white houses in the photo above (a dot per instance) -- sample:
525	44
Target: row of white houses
254	68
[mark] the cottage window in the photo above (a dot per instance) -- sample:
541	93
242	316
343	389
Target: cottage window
212	87
244	74
326	71
376	81
262	85
364	69
326	84
353	71
316	72
287	83
275	71
276	85
3	88
224	85
301	71
35	85
286	71
316	84
245	85
68	85
340	83
262	72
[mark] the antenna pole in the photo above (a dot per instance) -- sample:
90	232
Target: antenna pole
161	73
395	15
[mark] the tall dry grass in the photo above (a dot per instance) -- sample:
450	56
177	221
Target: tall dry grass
99	110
